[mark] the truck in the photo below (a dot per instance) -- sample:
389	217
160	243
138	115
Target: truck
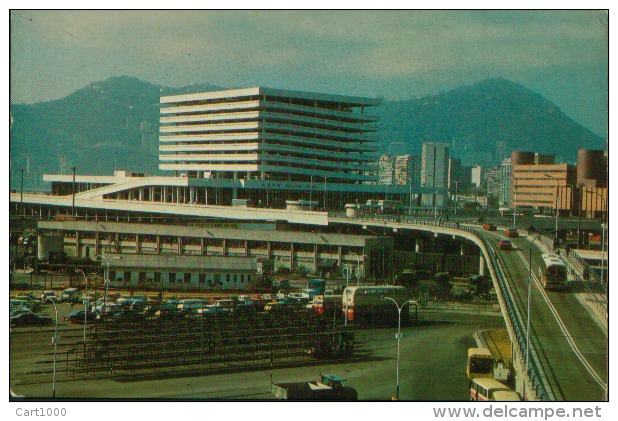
329	388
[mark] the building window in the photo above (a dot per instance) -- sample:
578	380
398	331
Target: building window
127	276
187	277
171	277
235	278
157	277
227	278
217	279
202	278
112	276
242	278
142	276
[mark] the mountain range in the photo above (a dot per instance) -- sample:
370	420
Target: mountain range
114	124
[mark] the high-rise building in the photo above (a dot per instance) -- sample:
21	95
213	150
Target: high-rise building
505	182
477	176
492	181
259	133
405	169
386	169
435	170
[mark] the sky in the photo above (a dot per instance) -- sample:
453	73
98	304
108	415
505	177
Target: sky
563	55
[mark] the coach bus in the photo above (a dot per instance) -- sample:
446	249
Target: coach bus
553	273
480	363
368	304
483	389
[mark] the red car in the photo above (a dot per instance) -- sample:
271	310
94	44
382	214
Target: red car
512	233
505	245
489	226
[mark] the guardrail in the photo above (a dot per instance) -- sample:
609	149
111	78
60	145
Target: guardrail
518	324
513	315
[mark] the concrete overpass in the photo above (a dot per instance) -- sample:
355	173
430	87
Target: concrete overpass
568	339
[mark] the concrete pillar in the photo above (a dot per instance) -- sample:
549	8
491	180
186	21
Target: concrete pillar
339	256
482	266
77	244
292	257
158	244
201	246
138	245
315	257
246	248
191	194
179	245
224	246
141	194
418	244
463	249
96	243
268	255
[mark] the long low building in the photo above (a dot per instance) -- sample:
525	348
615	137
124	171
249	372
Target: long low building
370	255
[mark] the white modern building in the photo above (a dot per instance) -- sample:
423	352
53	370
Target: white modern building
505	182
264	133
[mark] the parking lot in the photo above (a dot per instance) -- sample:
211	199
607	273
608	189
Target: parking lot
432	365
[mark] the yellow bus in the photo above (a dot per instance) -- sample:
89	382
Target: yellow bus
480	363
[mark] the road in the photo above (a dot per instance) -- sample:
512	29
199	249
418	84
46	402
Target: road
562	326
433	358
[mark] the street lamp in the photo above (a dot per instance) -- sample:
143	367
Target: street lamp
325	177
85	302
456	194
73	203
557	195
515	203
55	343
107	279
398	337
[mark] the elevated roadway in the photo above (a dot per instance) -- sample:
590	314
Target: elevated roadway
568	341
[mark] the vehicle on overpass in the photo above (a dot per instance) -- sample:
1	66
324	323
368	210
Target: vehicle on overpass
329	388
552	272
505	245
367	303
483	389
512	232
480	363
488	226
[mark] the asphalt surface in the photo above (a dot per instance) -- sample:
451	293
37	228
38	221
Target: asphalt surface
567	375
432	367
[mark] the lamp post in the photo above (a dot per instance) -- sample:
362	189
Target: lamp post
21	194
73	202
55	343
456	194
399	308
557	195
515	203
85	302
410	195
103	258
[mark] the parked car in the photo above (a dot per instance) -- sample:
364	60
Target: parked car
69	295
49	296
32	304
15	304
78	316
19	311
505	245
30	295
488	226
512	232
30	319
280	305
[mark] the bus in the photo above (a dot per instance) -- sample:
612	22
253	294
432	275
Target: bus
367	303
552	272
505	396
480	363
483	389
